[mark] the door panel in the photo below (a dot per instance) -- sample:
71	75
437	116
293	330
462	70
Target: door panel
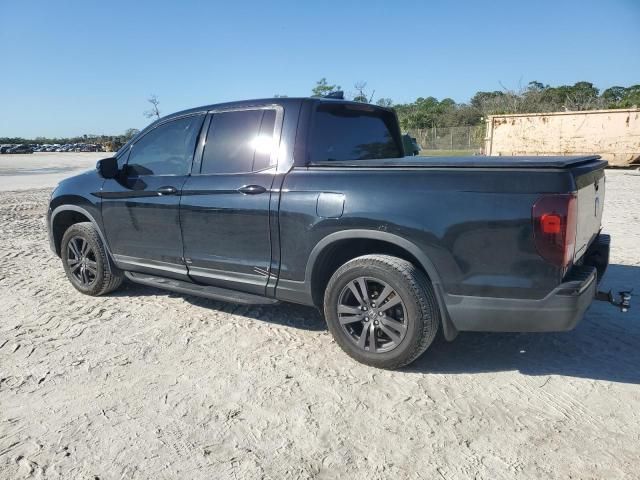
143	226
226	232
141	207
224	210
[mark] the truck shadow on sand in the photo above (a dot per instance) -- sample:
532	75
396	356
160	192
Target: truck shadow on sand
287	314
604	346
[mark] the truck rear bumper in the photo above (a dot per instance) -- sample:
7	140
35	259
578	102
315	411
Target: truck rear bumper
560	310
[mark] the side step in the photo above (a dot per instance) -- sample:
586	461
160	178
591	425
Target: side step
207	291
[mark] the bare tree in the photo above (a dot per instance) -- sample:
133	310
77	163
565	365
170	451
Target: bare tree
581	101
361	96
153	112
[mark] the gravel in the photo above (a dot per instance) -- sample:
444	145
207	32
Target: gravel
37	170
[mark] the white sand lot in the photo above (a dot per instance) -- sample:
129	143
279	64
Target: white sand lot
148	384
38	170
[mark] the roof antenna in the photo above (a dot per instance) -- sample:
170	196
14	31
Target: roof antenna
338	94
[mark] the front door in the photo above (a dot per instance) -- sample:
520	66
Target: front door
140	208
225	204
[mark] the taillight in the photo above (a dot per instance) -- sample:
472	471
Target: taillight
554	227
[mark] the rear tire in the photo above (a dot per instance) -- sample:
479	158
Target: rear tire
86	261
399	327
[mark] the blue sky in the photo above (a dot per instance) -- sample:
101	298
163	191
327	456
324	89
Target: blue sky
75	67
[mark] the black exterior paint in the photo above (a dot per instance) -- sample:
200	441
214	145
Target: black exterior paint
466	220
479	240
133	213
226	233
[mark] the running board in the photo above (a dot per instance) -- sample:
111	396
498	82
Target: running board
206	291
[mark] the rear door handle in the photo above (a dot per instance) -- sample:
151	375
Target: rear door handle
168	190
252	189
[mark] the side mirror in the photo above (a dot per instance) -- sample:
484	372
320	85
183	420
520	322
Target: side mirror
107	167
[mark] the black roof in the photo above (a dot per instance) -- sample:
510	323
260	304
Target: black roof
262	101
284	101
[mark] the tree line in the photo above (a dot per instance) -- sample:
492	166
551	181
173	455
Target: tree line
536	97
112	141
429	112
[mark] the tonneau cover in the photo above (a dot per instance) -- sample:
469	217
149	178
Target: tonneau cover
478	161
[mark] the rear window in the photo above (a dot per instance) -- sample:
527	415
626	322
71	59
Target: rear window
353	132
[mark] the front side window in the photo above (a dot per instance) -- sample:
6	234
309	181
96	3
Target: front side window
353	132
167	149
239	142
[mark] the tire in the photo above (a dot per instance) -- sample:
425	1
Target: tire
92	265
410	303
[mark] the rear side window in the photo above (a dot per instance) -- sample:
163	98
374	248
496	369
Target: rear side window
353	132
239	142
167	149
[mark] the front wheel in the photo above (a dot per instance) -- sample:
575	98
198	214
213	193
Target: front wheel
86	261
381	310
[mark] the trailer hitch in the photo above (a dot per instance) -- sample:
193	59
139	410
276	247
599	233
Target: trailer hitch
624	303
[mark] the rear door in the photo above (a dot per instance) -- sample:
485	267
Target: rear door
140	208
224	209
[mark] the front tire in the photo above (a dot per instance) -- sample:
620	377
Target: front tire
86	261
381	310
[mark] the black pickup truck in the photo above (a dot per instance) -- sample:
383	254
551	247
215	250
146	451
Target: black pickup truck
312	201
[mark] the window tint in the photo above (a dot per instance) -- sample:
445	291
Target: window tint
122	159
167	149
239	142
352	132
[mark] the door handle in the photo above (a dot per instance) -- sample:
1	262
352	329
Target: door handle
168	190
252	189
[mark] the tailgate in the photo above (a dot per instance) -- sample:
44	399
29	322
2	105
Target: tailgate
590	183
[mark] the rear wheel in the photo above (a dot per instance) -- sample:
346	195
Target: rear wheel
86	261
381	310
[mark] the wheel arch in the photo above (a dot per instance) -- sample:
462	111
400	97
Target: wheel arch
369	237
337	248
63	217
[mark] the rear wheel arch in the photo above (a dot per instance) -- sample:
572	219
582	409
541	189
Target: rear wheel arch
336	249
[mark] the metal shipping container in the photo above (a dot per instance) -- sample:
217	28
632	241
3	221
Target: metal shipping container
614	134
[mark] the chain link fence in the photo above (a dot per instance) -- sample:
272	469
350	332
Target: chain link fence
450	138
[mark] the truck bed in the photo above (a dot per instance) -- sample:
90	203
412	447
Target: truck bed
582	174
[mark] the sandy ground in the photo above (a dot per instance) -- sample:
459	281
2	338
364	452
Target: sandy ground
37	170
147	384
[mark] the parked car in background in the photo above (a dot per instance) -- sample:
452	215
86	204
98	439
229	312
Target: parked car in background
67	147
21	149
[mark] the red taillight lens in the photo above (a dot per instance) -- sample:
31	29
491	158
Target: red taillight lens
551	223
554	227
